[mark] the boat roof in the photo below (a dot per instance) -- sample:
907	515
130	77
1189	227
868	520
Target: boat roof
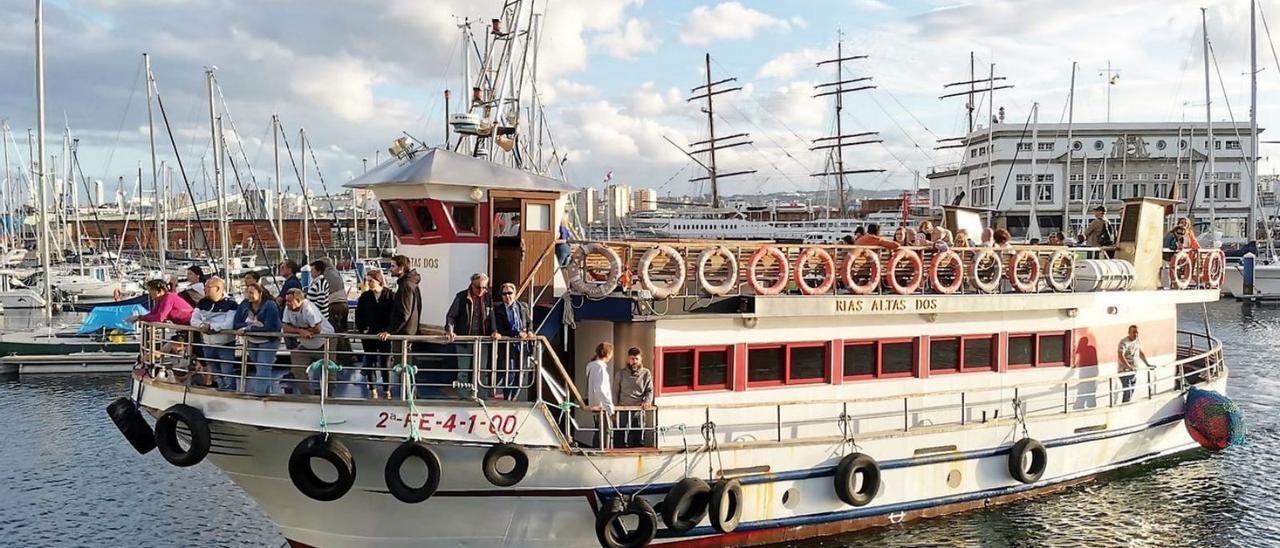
437	166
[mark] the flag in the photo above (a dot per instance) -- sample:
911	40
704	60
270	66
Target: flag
1175	194
608	176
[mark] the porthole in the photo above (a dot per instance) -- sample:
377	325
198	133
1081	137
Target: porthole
1182	144
1077	145
1097	145
790	498
1161	144
953	478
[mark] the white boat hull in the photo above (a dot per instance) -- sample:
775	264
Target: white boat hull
1266	281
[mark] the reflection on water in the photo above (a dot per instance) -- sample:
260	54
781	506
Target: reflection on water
68	478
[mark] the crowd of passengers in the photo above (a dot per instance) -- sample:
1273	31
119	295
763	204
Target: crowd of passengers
316	316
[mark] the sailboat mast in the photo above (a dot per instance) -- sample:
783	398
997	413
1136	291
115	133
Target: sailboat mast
1033	223
1210	178
1253	123
1071	149
8	184
275	149
840	198
306	200
39	164
162	231
711	130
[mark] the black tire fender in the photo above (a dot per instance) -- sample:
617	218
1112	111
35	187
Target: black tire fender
167	435
726	505
517	473
609	530
847	479
395	480
329	449
131	424
686	504
1039	460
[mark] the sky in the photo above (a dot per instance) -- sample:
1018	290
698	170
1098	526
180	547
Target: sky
614	76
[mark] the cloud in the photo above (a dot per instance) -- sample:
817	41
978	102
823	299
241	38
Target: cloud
790	64
650	101
872	5
628	40
729	21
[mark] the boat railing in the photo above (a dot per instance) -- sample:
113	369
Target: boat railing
706	269
1199	359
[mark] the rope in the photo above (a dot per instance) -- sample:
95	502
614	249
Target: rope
325	367
409	371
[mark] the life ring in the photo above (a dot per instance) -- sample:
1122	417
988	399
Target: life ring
730	264
394	477
609	529
167	435
518	470
662	291
131	424
890	271
327	448
685	504
828	279
855	257
753	277
942	260
847	479
1021	258
1215	268
985	269
1180	270
595	289
726	505
1060	271
1017	460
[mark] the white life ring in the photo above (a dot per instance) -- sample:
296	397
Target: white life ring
917	274
943	260
753	276
985	270
595	290
856	256
1024	285
1180	270
1060	272
1215	268
828	280
662	290
731	263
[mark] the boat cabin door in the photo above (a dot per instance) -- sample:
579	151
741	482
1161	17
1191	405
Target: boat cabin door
523	238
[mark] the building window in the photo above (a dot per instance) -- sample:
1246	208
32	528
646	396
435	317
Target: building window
1231	190
1139	190
1210	190
1097	145
1024	147
1139	176
879	359
1044	147
1117	192
1217	145
1095	177
1096	193
1045	193
1044	178
1233	145
1076	177
1022	193
787	364
1117	176
1184	190
1076	192
1160	190
696	369
1161	144
1037	350
1022	177
1184	176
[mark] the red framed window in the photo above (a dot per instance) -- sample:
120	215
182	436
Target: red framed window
1038	350
397	214
880	359
432	221
703	368
962	354
795	363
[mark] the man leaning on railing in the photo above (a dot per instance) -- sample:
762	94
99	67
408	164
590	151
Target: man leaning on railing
635	388
600	392
511	319
303	319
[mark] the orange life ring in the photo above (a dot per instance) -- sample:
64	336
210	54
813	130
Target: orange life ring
946	259
1215	269
1180	270
1019	284
1060	270
753	276
985	261
890	277
854	257
828	279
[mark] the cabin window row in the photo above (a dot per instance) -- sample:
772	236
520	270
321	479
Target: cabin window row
712	368
425	221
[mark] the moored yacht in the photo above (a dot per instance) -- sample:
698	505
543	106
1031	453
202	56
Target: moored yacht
798	390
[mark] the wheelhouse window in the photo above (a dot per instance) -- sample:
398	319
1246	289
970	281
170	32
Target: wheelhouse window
398	217
787	364
685	369
879	359
1037	350
422	214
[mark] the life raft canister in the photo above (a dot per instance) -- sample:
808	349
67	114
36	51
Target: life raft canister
753	272
916	271
942	261
662	290
730	265
861	256
828	277
1024	260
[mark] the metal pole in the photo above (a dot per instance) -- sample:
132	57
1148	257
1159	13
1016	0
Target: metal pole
217	151
162	231
711	150
8	184
275	146
224	231
39	165
1071	149
1253	128
306	200
1210	178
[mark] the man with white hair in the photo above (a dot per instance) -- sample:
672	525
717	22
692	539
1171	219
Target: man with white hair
468	316
214	315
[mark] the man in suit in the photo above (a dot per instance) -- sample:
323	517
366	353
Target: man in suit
511	319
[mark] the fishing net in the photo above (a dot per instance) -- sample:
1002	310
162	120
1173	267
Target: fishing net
1213	420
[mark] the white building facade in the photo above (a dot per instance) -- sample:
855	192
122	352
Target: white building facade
1022	172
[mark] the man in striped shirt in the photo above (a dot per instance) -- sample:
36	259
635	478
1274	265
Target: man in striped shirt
318	291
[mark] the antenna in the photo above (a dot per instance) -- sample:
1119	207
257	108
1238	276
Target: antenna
836	143
708	91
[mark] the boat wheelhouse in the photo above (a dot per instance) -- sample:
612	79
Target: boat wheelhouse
798	390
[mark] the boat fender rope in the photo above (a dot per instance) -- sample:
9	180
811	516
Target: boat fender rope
408	372
1018	456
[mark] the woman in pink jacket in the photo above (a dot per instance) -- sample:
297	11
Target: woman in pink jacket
166	306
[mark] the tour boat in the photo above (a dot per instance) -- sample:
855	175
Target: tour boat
799	390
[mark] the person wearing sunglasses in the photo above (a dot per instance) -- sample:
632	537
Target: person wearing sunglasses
512	320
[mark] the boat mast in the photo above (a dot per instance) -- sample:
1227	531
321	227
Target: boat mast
708	91
219	179
162	230
835	144
1210	178
1033	223
275	148
1253	132
8	186
39	164
1071	149
306	200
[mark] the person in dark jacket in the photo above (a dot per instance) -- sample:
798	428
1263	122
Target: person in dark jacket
469	316
407	306
373	315
511	319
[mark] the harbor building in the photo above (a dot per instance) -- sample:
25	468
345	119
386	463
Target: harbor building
1056	173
